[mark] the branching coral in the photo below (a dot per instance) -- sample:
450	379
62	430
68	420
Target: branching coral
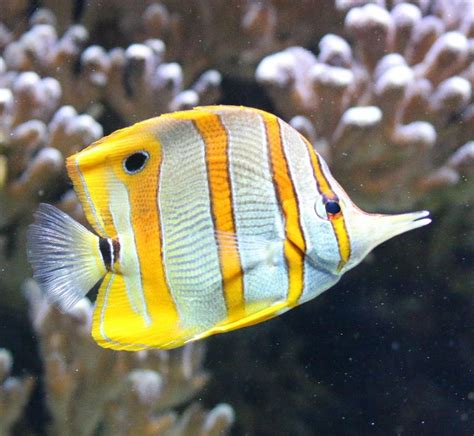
230	36
392	109
81	71
233	35
87	387
141	85
136	82
36	135
135	413
14	393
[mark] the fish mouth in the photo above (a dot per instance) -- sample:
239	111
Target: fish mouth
421	214
385	227
410	221
371	229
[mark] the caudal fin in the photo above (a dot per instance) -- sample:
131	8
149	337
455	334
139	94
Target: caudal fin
64	255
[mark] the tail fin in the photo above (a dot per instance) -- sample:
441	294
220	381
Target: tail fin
64	255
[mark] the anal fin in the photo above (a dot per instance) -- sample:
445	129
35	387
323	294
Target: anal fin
118	326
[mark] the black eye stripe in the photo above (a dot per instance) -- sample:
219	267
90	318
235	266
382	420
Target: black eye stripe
332	207
135	162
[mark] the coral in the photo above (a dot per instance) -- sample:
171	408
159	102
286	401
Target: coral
233	35
134	413
36	135
14	393
391	107
136	82
81	71
230	36
141	85
87	387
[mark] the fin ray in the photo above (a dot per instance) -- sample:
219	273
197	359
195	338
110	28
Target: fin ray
64	255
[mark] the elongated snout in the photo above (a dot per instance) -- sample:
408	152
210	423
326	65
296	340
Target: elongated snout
369	230
384	227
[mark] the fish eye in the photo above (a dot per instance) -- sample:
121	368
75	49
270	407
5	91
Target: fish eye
320	208
332	207
135	162
326	209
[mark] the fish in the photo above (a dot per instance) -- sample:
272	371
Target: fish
203	221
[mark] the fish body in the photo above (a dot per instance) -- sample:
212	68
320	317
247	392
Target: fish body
205	221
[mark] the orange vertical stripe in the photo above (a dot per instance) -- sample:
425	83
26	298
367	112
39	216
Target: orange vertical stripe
217	144
295	245
145	220
337	221
323	185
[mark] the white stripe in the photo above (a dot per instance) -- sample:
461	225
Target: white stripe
256	210
102	319
316	279
97	220
190	254
119	206
102	312
112	254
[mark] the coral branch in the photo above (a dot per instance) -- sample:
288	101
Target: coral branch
141	85
82	72
14	393
390	108
125	393
36	135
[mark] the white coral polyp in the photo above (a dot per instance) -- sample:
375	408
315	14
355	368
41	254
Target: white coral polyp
362	116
